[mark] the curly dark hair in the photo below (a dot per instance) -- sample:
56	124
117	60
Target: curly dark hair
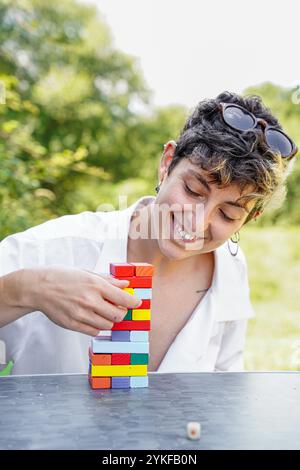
233	157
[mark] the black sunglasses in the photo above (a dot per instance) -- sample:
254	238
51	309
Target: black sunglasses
241	119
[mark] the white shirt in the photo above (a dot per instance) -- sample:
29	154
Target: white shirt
213	338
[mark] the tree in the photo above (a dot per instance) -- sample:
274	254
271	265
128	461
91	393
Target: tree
69	107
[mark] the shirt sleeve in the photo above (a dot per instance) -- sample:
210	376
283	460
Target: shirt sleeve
231	355
70	240
16	252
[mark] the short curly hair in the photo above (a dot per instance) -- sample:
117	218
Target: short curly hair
232	157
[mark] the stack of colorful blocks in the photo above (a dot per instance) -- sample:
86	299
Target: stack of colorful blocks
121	361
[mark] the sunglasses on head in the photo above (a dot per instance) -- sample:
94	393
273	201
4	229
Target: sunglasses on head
241	119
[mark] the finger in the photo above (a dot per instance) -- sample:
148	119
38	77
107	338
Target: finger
108	277
110	312
120	297
86	329
98	322
93	322
117	282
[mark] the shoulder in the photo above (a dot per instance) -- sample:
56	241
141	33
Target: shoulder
231	287
86	224
72	240
237	263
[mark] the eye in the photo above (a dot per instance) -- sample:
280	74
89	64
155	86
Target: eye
192	193
227	218
189	191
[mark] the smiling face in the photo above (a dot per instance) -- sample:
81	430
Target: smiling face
187	190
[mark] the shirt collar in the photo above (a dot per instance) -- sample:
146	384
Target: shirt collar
229	289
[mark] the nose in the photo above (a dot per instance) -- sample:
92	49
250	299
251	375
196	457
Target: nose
208	215
202	217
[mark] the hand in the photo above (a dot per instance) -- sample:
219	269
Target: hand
80	300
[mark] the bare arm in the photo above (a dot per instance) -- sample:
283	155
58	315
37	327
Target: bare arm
13	304
70	297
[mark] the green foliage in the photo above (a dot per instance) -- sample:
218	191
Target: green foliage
283	103
71	139
68	115
273	256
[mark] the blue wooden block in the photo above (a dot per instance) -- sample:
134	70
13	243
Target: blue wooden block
120	382
136	382
139	336
100	346
120	335
142	293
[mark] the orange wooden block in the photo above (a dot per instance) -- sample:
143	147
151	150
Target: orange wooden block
143	269
100	359
100	382
120	359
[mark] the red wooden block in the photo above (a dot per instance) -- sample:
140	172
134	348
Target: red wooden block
120	359
100	359
132	325
146	303
143	269
138	281
121	269
100	382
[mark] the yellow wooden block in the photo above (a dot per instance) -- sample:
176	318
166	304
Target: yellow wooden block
119	371
130	290
141	314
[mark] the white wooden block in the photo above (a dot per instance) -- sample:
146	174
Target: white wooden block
104	333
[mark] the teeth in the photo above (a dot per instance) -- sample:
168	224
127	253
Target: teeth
183	234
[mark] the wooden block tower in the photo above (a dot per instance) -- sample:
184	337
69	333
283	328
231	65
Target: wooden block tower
121	361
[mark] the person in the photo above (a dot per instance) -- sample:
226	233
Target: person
231	160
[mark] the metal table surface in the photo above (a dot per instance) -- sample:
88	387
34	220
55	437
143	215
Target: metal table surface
247	410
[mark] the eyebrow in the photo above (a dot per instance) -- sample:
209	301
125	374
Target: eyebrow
202	180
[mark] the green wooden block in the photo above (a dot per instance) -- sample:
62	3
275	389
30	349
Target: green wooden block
128	315
140	359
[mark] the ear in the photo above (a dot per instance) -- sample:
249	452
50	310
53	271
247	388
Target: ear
166	158
255	215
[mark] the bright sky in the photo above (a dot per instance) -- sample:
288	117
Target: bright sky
192	49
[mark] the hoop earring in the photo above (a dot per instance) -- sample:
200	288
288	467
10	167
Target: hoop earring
157	188
234	241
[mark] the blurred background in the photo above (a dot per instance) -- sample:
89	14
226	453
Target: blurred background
91	90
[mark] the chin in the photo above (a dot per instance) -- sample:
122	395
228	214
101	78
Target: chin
170	251
174	252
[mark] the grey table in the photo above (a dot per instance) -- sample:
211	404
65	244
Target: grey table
236	410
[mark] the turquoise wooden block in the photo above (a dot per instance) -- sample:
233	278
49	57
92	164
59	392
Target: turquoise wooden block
100	346
136	382
139	336
142	293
